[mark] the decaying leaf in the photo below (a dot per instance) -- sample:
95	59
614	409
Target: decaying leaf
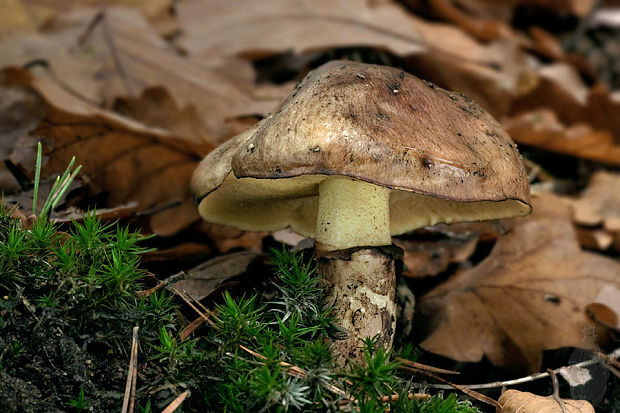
486	20
597	212
103	55
121	158
202	280
529	295
599	204
227	238
424	258
221	27
514	401
541	128
14	17
565	115
28	14
215	27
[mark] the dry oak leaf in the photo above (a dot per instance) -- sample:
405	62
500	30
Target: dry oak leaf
38	12
14	17
514	401
560	89
484	19
104	55
529	295
597	212
542	128
269	27
121	158
427	258
599	204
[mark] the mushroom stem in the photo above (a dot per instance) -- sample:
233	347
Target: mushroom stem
360	286
356	262
351	214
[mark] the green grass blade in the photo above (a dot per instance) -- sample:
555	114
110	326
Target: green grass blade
37	178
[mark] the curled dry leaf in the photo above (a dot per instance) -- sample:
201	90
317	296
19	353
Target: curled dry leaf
542	128
14	17
567	116
39	12
122	158
424	258
514	401
529	295
485	20
226	238
216	27
101	56
206	278
597	211
599	204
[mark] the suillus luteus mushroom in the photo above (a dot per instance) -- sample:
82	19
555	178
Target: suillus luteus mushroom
355	154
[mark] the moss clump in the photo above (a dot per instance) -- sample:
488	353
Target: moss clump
68	302
67	306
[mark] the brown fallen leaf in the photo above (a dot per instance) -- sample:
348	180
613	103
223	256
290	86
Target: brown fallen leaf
213	27
425	258
599	204
121	158
14	17
485	20
227	238
594	238
100	56
542	128
156	107
219	27
20	111
529	295
204	279
38	12
585	111
514	401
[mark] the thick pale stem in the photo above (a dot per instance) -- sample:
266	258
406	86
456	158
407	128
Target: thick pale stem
356	262
351	214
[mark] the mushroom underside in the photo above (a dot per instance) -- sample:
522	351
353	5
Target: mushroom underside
271	204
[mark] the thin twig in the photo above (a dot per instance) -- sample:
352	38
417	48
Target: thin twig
132	373
161	284
297	372
425	367
613	356
395	397
556	390
471	393
176	402
185	296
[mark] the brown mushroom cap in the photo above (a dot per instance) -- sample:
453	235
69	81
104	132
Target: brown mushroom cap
445	158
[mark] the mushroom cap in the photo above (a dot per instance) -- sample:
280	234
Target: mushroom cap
446	159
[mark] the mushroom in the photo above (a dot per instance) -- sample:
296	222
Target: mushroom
355	154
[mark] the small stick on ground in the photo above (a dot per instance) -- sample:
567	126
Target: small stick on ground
176	402
603	359
424	367
556	391
132	375
186	297
471	393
